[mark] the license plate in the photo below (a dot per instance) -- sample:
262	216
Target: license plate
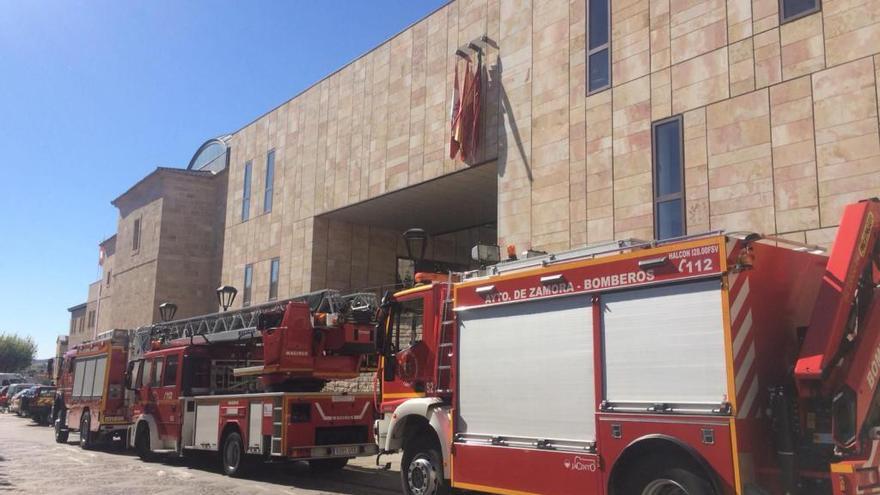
345	450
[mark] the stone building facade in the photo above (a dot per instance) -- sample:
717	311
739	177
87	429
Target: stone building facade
167	248
600	120
775	114
77	331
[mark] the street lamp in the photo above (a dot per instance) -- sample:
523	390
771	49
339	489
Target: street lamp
416	243
167	310
225	295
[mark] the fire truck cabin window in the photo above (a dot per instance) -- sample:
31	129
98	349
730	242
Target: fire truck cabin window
198	373
133	380
408	323
170	372
146	369
158	366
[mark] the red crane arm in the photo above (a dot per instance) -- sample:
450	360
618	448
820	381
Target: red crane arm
834	323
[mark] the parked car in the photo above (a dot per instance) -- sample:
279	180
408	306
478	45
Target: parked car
3	397
15	402
14	395
40	406
10	378
24	401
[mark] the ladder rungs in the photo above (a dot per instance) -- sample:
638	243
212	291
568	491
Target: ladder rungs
446	344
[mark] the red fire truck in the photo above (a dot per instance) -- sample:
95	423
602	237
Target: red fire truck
707	365
248	384
90	399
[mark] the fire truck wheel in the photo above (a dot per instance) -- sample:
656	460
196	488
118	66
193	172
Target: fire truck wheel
325	465
421	470
142	443
232	456
86	440
60	432
662	478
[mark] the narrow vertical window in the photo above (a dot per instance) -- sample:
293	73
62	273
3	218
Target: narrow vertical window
246	193
668	178
248	283
790	10
270	182
599	46
136	235
273	278
109	274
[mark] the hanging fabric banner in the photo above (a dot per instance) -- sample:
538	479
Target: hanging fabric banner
454	145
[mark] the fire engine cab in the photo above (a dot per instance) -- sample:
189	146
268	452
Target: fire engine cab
248	383
90	399
706	365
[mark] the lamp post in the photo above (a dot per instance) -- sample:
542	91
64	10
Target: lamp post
167	311
416	243
226	295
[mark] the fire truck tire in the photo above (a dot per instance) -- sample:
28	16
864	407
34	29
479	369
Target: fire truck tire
232	457
61	432
421	468
326	465
86	439
142	443
660	476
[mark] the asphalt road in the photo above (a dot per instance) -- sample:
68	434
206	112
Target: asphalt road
31	462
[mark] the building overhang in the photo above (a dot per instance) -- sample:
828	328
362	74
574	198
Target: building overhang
449	203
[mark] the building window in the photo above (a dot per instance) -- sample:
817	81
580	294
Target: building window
248	283
270	182
136	235
72	325
109	273
82	322
273	278
790	10
668	178
91	319
246	193
599	46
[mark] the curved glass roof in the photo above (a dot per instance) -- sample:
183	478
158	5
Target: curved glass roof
212	156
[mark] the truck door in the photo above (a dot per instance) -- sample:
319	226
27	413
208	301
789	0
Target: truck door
167	392
412	347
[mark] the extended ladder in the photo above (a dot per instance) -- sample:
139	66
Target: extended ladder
446	344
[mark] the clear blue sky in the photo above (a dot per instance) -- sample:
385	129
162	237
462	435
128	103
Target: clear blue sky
94	95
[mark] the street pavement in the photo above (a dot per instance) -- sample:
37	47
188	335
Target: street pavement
32	463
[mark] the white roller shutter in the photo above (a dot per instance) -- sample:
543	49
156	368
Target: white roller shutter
88	378
98	386
78	375
526	370
665	344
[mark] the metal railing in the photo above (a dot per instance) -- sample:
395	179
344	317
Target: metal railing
243	323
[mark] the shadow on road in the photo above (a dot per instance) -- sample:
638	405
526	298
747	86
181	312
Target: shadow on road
5	485
352	480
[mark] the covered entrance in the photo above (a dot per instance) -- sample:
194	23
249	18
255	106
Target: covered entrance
361	246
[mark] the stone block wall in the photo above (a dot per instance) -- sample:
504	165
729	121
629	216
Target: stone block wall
779	128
